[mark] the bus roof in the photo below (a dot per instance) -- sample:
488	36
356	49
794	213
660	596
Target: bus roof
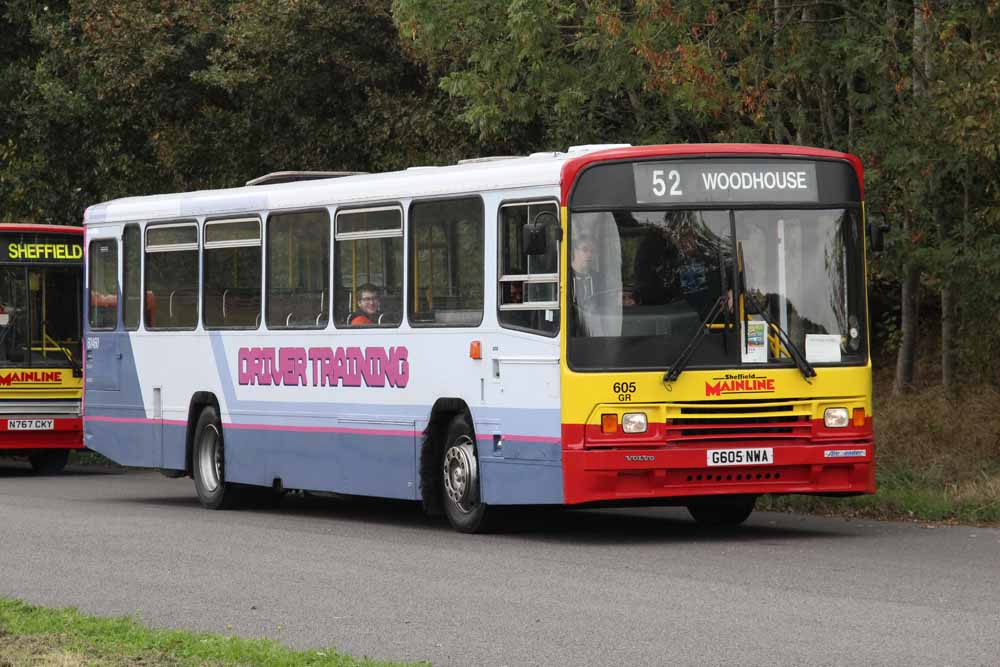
479	175
47	229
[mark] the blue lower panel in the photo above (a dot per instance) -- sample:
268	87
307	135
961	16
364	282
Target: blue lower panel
129	444
520	482
367	464
355	462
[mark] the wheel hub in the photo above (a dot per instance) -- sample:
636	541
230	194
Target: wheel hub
210	459
461	475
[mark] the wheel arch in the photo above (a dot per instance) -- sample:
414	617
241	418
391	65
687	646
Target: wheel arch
432	446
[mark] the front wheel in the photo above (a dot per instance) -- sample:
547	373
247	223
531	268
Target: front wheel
722	512
48	461
208	462
460	479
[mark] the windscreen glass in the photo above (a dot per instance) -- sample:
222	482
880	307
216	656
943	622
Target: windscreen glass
644	282
40	316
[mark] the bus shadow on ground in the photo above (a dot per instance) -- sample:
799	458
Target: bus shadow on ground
14	468
556	525
638	525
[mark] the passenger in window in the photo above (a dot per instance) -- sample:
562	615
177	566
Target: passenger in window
369	307
517	293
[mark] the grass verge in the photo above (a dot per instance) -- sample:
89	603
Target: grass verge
42	637
936	459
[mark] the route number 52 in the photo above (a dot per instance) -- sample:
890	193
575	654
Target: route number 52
660	185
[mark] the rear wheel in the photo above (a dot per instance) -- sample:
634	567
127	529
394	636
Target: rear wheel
209	463
721	512
460	478
48	461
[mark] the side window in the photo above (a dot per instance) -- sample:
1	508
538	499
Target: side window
231	281
446	263
368	268
298	270
528	295
131	297
103	260
171	300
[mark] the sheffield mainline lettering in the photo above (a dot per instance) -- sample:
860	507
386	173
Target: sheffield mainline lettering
324	366
25	377
733	386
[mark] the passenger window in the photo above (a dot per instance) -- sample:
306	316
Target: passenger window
298	270
103	258
528	295
231	281
368	268
131	277
172	276
446	263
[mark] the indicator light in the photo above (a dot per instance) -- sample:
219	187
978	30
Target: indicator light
609	423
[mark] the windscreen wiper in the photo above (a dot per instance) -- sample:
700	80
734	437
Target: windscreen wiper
678	366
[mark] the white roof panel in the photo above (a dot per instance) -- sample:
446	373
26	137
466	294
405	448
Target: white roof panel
533	171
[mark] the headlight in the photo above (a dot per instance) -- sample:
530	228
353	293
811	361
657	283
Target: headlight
835	417
634	422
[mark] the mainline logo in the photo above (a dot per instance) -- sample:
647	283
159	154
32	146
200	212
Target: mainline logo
30	377
739	383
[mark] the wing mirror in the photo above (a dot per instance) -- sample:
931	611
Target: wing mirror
534	236
877	229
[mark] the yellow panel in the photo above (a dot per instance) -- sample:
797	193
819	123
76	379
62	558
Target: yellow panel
34	383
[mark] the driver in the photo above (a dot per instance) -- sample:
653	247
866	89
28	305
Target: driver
582	264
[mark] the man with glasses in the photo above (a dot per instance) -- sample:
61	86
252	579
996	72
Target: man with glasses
370	307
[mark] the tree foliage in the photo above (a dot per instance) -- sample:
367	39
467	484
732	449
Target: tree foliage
109	98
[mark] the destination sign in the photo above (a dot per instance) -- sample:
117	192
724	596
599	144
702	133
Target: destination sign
51	248
724	182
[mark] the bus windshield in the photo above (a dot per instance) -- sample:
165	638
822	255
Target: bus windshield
644	281
40	316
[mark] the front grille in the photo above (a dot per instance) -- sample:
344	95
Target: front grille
748	422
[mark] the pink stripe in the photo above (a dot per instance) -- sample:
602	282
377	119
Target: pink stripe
320	429
309	429
134	420
521	438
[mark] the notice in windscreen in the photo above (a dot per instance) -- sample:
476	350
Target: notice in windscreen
754	344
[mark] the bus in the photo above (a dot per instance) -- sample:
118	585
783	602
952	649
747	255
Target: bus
610	325
41	384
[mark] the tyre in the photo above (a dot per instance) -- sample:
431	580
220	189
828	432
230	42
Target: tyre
722	512
460	478
209	463
48	461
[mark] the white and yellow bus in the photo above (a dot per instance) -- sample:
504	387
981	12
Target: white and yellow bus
679	324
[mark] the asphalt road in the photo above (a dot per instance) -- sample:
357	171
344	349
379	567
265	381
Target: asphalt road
598	587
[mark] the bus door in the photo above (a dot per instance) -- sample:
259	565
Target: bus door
104	357
523	366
